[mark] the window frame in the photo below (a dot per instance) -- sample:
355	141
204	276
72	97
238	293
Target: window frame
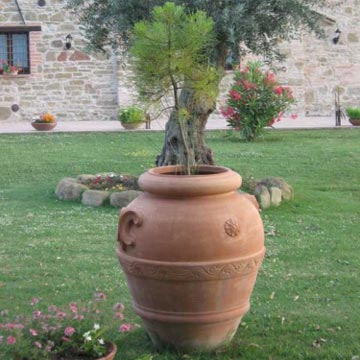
10	47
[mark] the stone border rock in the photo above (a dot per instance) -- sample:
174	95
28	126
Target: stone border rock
70	189
271	191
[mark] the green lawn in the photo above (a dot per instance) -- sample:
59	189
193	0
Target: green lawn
306	301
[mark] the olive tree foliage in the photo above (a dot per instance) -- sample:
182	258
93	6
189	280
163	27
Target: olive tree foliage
239	26
256	24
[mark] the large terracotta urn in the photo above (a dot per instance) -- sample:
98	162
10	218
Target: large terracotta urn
190	247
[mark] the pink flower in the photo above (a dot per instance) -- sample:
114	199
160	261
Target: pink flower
36	314
69	331
34	301
125	327
73	307
10	326
270	78
38	344
248	85
294	116
119	316
11	340
33	332
289	92
278	90
61	315
78	317
227	112
235	95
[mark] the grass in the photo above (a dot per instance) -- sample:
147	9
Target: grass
306	301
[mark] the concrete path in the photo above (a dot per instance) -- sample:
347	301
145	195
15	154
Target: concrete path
215	122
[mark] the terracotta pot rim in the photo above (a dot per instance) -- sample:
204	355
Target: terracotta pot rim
112	351
175	170
210	180
43	122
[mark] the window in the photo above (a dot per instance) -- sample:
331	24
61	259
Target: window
14	49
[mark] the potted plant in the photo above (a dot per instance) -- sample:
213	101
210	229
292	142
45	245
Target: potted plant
190	245
57	333
256	100
8	69
354	115
131	117
44	122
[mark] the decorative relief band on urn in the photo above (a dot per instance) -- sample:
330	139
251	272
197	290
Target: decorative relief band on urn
191	271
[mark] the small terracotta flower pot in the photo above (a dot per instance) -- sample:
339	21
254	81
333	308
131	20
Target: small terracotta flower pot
111	354
131	126
43	126
355	122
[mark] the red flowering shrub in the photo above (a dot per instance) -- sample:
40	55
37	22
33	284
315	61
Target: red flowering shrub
256	100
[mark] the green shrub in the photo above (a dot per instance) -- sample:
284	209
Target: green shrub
353	112
131	114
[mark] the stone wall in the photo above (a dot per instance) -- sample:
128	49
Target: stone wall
70	84
315	68
74	85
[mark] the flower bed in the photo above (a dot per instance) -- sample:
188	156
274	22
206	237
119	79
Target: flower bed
72	332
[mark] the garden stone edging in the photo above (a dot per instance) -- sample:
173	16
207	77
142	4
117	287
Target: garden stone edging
265	193
95	197
271	191
71	189
123	198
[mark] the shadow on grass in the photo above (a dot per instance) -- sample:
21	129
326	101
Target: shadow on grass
137	345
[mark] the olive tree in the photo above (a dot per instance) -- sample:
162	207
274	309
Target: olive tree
170	52
239	26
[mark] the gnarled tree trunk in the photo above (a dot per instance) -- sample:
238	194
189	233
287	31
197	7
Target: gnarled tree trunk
173	152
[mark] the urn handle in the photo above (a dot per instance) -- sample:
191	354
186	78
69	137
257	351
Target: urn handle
129	219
